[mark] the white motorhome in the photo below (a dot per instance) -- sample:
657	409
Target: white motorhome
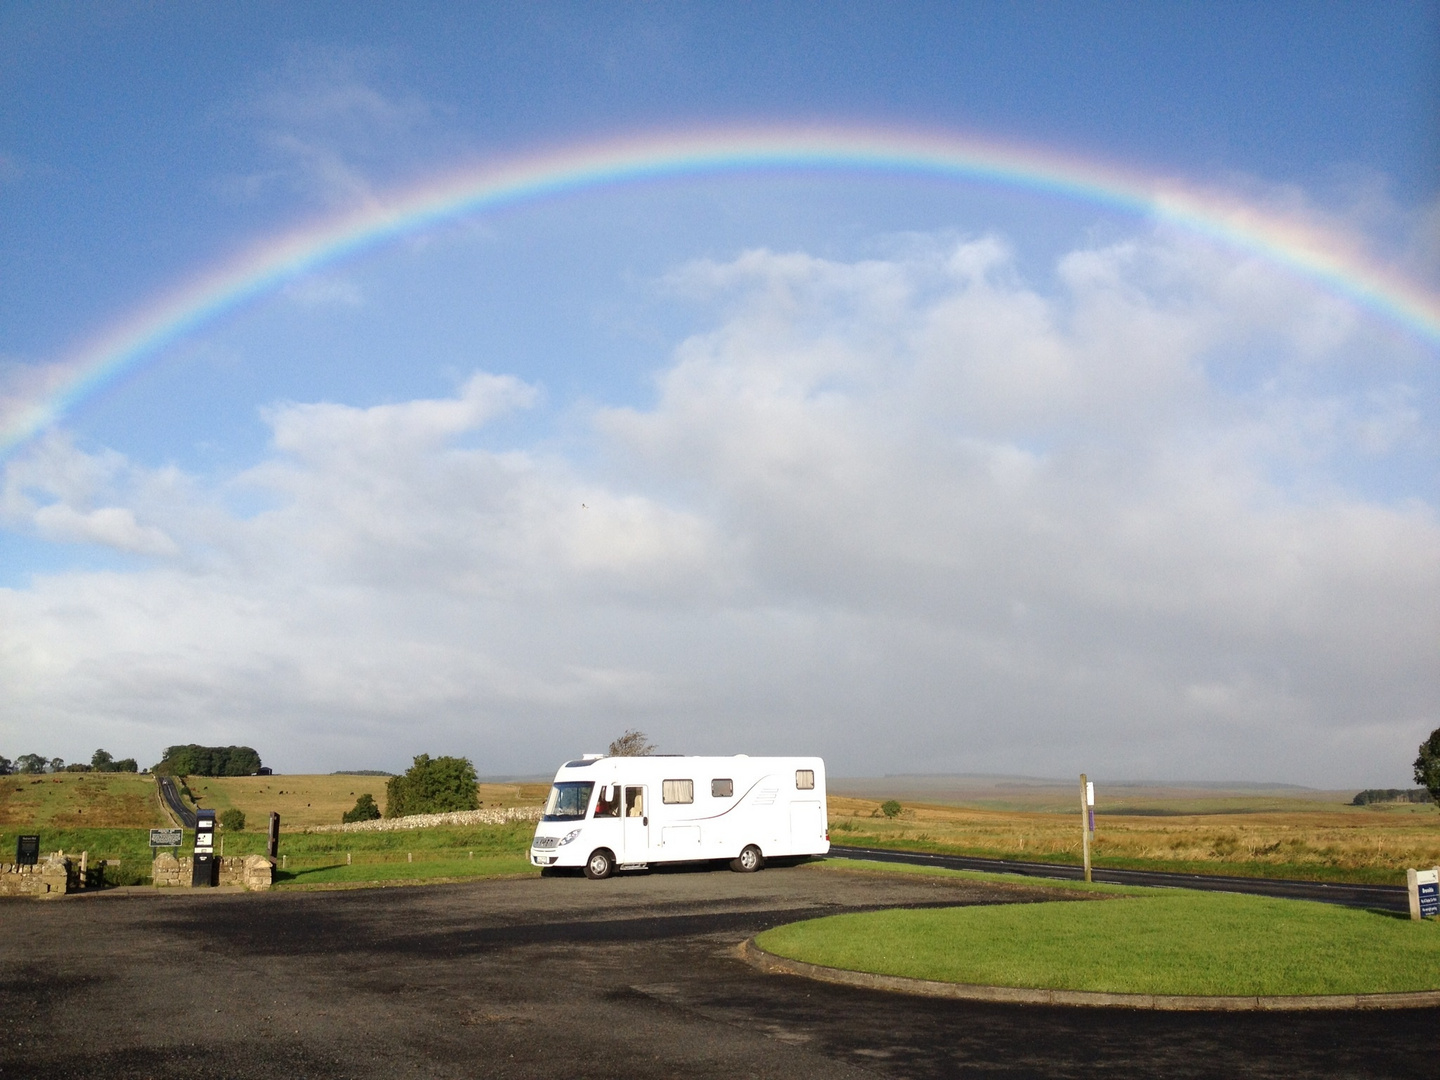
609	813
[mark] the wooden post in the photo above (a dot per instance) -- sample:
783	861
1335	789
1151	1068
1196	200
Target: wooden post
1085	825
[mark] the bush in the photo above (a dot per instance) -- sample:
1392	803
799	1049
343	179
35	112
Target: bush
232	820
365	810
433	786
890	808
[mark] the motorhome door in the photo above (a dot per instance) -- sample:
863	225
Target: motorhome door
636	825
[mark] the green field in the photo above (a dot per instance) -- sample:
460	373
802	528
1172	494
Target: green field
1170	942
440	852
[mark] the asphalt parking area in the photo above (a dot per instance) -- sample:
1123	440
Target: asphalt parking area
633	978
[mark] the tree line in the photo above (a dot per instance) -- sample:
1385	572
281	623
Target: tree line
1371	796
100	761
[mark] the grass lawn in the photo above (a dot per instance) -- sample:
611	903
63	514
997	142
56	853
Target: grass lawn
368	869
873	867
1168	942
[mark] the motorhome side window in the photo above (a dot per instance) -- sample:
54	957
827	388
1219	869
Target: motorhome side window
805	779
722	789
607	803
677	791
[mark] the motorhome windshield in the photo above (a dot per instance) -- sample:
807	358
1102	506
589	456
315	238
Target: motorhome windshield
568	800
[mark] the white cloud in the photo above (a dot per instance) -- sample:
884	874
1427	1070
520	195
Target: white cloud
328	127
112	526
912	513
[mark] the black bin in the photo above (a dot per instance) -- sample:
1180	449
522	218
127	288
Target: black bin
205	873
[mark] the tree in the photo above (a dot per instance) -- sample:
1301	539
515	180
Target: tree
30	763
5	765
890	808
101	761
57	764
233	820
632	744
195	760
433	786
1427	765
365	810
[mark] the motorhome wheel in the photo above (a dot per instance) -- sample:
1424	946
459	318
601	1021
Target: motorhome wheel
600	866
749	860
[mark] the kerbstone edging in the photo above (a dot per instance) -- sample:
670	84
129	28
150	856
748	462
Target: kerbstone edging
757	957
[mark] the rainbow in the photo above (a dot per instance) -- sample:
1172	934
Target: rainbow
1303	248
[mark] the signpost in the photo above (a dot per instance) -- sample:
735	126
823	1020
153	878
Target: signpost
204	869
27	850
1087	819
1424	892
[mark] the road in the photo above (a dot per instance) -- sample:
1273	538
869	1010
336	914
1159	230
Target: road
170	792
1381	897
633	978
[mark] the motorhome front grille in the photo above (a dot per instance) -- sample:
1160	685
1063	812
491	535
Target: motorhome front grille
543	843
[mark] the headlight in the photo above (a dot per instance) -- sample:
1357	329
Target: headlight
571	835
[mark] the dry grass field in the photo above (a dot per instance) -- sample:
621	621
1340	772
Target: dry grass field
1265	832
80	800
302	801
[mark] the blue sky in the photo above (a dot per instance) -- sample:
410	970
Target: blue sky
916	475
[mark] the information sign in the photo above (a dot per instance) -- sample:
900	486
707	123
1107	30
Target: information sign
167	837
205	832
1427	885
27	850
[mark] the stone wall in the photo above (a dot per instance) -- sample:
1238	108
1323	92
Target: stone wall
424	821
44	880
252	872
